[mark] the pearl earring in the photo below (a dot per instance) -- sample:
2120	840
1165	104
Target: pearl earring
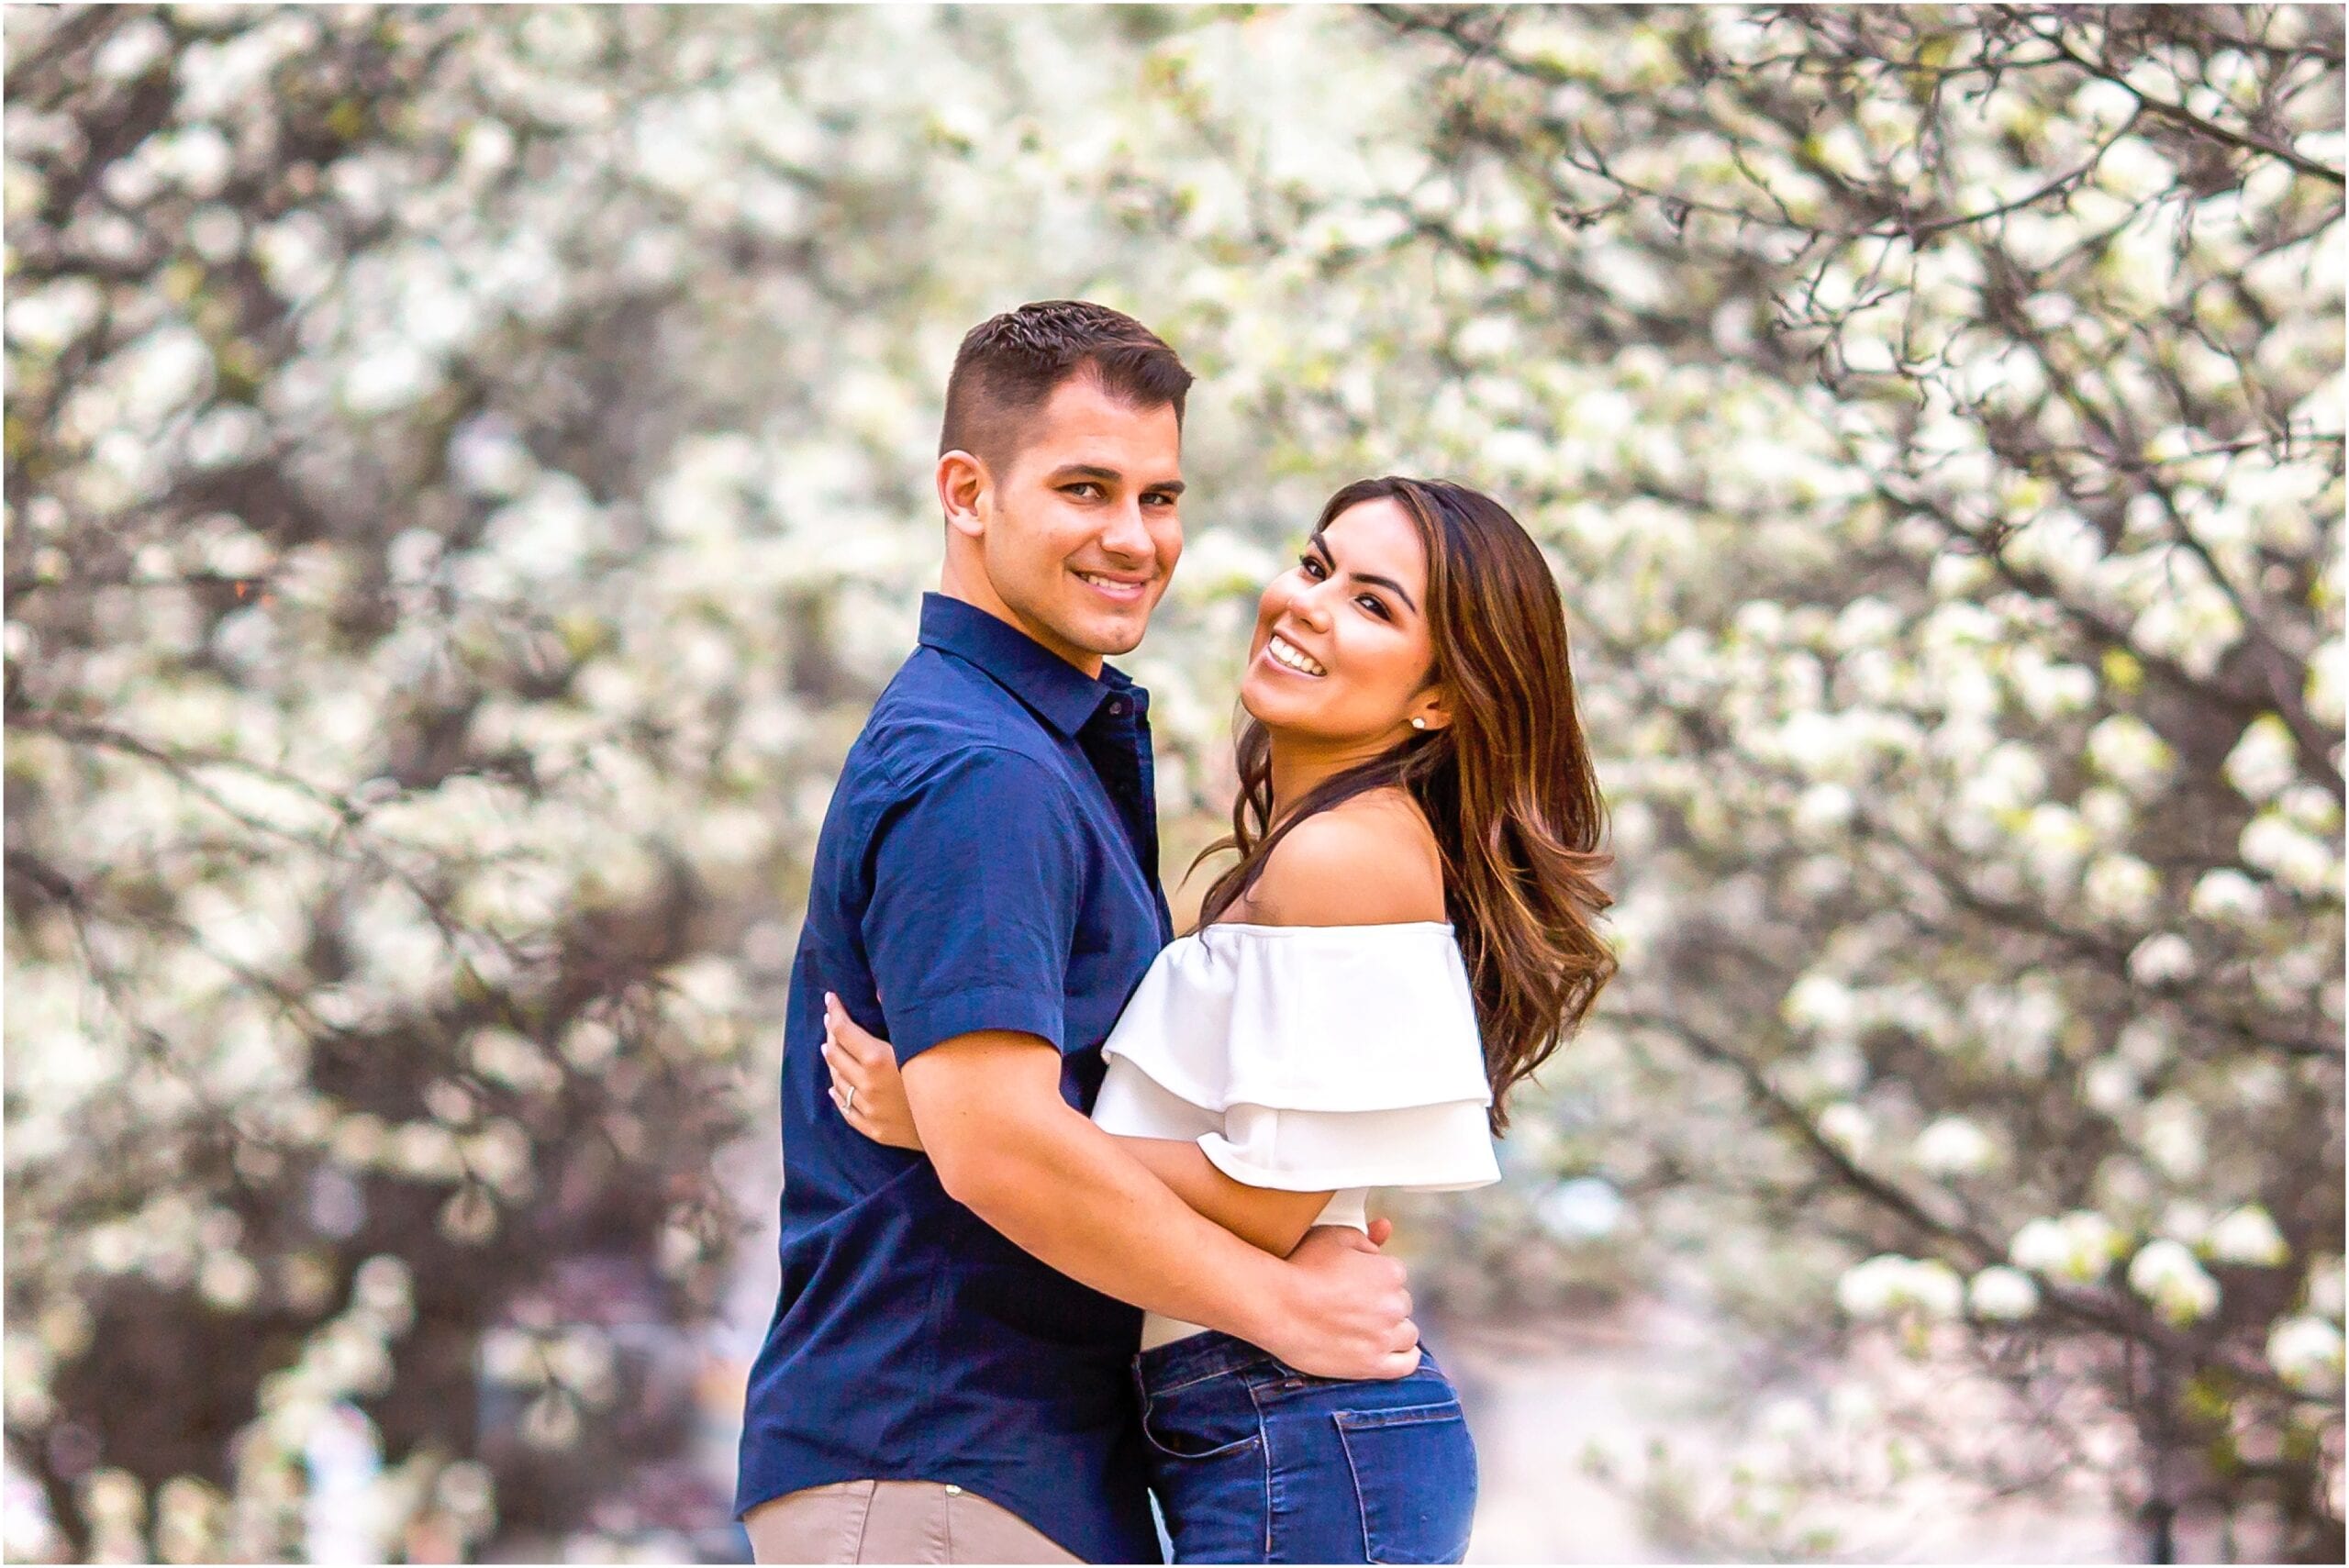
1418	724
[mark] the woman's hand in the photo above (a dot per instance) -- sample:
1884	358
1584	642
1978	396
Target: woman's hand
866	1085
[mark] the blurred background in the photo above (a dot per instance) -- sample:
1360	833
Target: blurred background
467	480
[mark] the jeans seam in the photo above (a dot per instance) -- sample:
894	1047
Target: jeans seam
1234	1446
1191	1382
1361	1508
1402	1416
1264	1431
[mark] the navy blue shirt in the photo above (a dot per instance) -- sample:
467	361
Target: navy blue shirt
988	862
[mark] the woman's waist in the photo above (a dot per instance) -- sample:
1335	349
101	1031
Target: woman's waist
1210	1355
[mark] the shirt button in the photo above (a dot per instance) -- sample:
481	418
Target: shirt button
1117	707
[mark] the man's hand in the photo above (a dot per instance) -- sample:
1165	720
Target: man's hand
1009	1147
1349	1313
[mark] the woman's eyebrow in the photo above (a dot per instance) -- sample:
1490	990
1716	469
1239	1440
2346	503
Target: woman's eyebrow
1320	541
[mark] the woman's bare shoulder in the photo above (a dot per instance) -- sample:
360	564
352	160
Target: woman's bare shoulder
1371	861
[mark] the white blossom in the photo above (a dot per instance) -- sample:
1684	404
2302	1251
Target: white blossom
2079	1246
2055	840
2175	1137
1821	1003
2160	959
2109	1084
2224	894
2326	681
1953	1145
2120	887
2247	1235
2306	1352
2002	1294
2165	1273
2326	1282
1847	1127
2296	857
2018	1024
2263	760
1888	1283
2128	751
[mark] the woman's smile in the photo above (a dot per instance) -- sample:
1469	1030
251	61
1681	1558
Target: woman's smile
1289	656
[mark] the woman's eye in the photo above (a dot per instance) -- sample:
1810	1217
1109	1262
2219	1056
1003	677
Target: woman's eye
1370	603
1312	567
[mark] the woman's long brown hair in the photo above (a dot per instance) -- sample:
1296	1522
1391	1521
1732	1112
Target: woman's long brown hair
1508	786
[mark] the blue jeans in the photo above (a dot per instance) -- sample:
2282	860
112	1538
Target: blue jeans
1255	1461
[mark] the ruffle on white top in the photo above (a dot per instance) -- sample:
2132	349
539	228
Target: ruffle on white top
1308	1058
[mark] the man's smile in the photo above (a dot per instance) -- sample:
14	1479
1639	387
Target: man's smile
1123	590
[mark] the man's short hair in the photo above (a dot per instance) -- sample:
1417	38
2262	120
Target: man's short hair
1009	366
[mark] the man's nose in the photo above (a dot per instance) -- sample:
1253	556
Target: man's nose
1125	534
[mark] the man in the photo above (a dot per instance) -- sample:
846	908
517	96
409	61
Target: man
947	1375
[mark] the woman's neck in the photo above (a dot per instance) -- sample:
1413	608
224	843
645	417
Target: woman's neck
1300	765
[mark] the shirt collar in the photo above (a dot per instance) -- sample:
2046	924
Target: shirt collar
1062	694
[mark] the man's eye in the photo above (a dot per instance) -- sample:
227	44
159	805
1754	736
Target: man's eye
1085	488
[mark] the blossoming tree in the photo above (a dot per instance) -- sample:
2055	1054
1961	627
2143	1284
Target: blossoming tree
465	486
1940	412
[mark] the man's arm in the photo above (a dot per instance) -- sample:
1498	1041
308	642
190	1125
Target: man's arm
863	1065
1006	1145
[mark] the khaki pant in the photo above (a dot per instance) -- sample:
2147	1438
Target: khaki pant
892	1521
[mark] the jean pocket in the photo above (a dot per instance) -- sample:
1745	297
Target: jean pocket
1202	1420
1414	1481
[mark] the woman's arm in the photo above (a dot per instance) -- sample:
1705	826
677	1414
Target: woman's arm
872	1095
1265	1217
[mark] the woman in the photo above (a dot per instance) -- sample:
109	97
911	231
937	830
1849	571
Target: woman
1407	933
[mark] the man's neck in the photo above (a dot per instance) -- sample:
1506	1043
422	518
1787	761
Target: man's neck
975	590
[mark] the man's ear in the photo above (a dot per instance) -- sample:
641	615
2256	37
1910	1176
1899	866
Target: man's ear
964	492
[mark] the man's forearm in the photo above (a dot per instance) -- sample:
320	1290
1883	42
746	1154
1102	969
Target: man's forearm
1066	1192
1263	1216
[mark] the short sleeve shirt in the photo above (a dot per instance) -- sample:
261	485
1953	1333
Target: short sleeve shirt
987	862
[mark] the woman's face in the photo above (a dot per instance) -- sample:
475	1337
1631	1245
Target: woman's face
1342	651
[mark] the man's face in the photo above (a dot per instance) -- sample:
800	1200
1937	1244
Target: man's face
1080	534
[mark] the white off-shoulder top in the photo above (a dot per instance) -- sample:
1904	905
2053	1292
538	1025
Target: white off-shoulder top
1306	1059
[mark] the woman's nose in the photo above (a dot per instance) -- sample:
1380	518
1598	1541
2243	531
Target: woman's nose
1312	607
